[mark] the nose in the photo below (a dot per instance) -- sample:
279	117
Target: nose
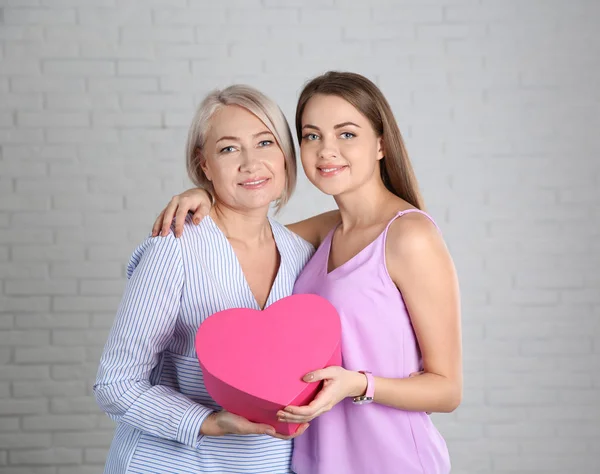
328	149
249	161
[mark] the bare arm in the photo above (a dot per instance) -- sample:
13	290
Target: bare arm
421	267
199	201
314	229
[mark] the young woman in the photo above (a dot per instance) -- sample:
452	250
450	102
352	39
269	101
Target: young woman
386	269
149	380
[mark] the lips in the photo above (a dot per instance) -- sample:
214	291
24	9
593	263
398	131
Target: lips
254	183
331	170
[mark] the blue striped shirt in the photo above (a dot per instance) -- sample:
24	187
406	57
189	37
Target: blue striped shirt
149	379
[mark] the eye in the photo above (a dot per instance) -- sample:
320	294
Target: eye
347	135
310	137
264	143
227	149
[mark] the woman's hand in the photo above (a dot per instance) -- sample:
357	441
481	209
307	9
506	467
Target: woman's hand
223	423
338	384
194	200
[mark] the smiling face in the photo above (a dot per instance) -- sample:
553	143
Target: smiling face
340	150
242	160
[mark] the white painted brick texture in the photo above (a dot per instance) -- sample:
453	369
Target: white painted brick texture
498	101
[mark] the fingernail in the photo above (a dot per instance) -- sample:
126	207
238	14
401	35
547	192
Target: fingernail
271	432
308	378
196	220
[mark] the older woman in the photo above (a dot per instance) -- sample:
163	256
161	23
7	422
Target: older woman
149	380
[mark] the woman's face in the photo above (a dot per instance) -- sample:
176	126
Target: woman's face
242	160
340	150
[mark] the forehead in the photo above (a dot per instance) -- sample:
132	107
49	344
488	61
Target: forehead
234	120
331	110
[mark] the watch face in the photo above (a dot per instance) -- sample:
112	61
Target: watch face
362	400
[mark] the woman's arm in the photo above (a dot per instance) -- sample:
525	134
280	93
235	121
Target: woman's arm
419	264
421	267
141	332
199	201
315	229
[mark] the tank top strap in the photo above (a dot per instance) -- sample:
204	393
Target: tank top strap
408	211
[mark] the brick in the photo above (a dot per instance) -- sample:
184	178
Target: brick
82	33
73	372
21	32
52	456
49	354
53	119
23	407
29	470
41	49
9	424
20	101
53	321
31	372
72	337
96	439
408	14
189	16
82	136
76	101
85	303
114	16
24	304
48	388
115	50
123	84
25	440
64	67
86	270
24	338
125	120
158	34
158	102
95	455
191	51
102	287
49	253
37	16
81	470
58	423
151	68
79	405
28	136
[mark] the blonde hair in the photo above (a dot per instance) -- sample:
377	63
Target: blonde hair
264	109
395	168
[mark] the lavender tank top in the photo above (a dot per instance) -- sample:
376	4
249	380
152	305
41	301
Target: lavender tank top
377	335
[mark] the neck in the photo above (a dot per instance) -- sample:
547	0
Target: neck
366	205
248	227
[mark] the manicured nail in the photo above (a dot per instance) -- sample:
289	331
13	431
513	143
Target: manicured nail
308	377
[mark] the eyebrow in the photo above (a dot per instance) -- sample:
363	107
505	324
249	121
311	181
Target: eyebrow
339	125
228	137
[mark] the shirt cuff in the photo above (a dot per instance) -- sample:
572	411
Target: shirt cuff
189	427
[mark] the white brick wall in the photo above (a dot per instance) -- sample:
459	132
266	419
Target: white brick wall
498	101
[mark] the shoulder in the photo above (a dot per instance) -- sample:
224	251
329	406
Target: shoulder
153	251
413	237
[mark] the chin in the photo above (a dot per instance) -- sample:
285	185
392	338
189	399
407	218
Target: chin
330	188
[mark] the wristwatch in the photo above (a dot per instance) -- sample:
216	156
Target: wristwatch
368	396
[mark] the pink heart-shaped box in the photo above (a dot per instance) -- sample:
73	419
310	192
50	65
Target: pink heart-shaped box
253	361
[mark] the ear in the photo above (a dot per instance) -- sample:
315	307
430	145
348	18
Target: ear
380	148
198	156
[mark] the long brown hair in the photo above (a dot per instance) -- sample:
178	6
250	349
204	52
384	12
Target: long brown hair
396	170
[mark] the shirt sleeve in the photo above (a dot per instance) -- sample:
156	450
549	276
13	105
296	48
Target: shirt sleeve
142	330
